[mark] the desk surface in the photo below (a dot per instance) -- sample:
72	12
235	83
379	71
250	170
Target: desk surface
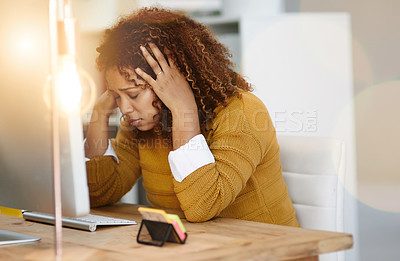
217	239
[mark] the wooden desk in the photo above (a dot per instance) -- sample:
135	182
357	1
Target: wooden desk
218	239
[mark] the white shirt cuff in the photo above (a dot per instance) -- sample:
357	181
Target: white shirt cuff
109	152
189	157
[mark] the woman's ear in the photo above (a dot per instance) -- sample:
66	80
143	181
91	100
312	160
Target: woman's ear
157	102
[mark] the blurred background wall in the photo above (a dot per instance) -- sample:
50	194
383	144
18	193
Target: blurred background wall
376	64
375	40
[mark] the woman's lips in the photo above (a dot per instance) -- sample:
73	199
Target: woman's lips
134	122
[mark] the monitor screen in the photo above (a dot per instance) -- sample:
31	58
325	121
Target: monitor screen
25	118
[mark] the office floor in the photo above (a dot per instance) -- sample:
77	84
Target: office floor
379	234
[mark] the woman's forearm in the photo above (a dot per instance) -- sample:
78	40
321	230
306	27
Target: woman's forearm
185	125
97	134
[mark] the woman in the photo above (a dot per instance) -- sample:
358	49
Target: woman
202	143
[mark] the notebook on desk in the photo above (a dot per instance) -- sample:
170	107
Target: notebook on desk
89	222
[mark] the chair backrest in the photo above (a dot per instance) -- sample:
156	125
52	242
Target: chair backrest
313	169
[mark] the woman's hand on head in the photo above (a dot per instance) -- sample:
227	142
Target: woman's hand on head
170	84
97	133
105	104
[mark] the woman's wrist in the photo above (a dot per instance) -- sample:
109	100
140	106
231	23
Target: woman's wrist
100	114
185	125
185	119
97	133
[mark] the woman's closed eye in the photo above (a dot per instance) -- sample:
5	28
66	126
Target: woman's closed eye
133	96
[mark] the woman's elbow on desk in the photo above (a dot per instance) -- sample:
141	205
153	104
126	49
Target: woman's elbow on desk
99	201
194	217
204	209
102	194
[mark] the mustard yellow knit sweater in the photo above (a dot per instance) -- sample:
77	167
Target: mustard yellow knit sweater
245	182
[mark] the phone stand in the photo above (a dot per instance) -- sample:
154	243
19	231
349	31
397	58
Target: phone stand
157	233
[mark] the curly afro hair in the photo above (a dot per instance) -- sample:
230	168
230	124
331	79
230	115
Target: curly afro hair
200	57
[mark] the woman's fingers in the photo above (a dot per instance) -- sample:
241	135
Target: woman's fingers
146	77
150	60
160	57
167	67
168	53
154	64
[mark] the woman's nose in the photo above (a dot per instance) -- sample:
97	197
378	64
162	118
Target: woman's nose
125	107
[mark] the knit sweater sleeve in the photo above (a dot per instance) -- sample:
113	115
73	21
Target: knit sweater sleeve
108	180
239	140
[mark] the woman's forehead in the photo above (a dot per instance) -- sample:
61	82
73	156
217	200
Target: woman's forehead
114	77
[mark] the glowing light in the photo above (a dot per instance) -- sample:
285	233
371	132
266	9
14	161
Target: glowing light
70	89
25	45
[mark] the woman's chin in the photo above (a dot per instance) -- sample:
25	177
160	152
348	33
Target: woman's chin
145	127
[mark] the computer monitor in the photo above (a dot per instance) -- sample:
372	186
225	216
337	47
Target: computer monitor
25	118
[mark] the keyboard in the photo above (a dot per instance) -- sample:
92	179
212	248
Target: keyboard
89	222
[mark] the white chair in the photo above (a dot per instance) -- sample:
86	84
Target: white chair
313	169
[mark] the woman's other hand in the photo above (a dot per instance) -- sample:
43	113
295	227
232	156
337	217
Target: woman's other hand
170	84
105	104
97	133
175	92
